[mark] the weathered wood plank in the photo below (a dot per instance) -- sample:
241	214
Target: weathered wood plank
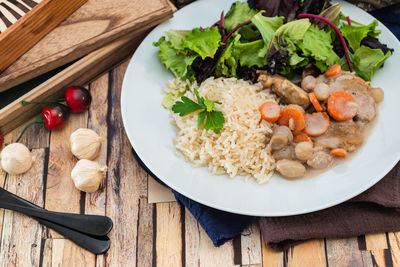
394	241
192	240
376	241
123	186
212	256
61	194
62	252
310	253
200	251
36	136
271	258
344	252
21	236
95	203
251	245
381	258
33	26
169	234
3	176
145	233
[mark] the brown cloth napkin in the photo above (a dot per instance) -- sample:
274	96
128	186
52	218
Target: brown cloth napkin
375	210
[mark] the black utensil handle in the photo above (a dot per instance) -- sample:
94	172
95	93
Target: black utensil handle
90	224
96	245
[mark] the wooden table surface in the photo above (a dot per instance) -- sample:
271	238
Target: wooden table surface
162	234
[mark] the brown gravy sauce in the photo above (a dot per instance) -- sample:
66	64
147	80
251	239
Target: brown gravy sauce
366	133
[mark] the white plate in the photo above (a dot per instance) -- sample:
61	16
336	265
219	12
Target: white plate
149	130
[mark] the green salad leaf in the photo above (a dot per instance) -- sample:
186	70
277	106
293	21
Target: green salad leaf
355	34
289	34
204	42
267	26
252	53
240	12
176	37
367	60
178	63
209	117
227	62
267	43
317	44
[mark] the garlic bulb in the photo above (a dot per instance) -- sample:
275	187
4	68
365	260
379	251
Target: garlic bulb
16	158
85	143
87	175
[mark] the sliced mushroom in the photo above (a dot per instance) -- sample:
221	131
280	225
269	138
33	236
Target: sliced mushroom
290	168
281	137
304	150
285	153
308	83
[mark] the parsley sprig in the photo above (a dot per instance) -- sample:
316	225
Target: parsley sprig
209	118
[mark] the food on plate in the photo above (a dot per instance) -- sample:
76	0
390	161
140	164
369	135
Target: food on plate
248	39
87	175
287	90
272	88
290	168
85	143
241	145
16	159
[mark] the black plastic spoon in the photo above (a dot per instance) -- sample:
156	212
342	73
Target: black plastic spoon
62	222
89	224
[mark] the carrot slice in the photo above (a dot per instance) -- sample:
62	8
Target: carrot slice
339	152
333	70
270	111
293	118
315	102
316	123
342	106
302	137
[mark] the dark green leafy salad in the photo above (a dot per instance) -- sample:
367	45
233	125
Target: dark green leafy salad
252	37
286	37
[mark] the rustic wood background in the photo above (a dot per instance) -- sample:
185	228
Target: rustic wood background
162	234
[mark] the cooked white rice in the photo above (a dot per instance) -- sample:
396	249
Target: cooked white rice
240	148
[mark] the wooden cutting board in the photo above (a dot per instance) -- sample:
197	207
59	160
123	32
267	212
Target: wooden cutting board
24	22
95	24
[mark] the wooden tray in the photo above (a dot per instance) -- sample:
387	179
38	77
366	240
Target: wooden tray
24	22
93	25
79	73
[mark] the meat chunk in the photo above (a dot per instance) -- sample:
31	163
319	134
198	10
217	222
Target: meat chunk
320	160
290	93
360	90
285	153
346	134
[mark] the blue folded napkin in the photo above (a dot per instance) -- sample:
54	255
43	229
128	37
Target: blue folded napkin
222	226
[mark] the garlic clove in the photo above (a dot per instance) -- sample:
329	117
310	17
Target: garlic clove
16	159
85	143
87	175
